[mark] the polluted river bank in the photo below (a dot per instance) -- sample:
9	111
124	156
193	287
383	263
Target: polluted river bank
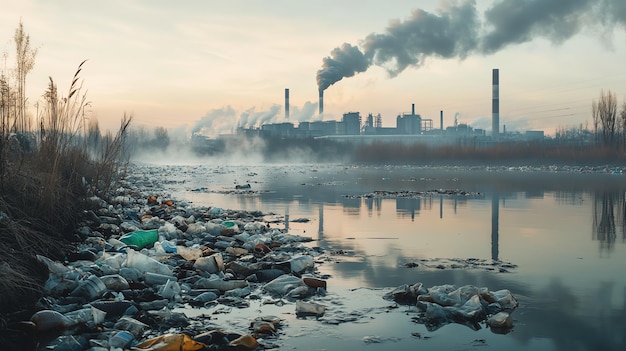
156	272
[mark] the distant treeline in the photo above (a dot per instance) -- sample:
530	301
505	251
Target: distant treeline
503	153
280	149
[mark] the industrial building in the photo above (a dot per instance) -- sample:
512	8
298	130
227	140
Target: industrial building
410	127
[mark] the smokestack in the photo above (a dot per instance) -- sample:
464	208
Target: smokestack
413	109
495	105
321	102
441	120
286	103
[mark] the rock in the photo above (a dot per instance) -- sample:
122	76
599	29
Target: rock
500	320
309	309
47	320
246	341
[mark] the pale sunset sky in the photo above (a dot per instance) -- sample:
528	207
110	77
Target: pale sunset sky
219	64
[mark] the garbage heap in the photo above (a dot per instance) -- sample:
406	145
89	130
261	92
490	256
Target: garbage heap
143	257
467	305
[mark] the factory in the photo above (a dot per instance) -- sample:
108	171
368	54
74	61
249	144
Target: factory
410	127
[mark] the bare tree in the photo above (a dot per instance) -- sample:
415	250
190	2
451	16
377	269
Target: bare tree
24	62
604	111
161	138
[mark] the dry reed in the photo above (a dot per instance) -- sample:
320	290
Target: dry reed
43	190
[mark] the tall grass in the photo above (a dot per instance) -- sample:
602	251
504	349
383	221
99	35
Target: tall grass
46	176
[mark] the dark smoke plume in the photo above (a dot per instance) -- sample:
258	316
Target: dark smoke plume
453	33
344	61
516	22
456	31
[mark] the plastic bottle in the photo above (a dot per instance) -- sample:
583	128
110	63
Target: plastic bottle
132	325
145	264
168	246
121	339
140	238
68	343
158	279
90	288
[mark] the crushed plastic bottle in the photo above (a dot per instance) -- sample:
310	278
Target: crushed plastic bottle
90	288
132	325
121	339
300	263
140	238
67	343
88	316
145	264
170	290
210	264
189	253
158	279
220	284
114	282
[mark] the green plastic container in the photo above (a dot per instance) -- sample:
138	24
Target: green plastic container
140	238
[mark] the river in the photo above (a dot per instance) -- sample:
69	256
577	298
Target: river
556	236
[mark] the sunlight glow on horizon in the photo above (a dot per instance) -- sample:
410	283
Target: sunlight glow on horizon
171	65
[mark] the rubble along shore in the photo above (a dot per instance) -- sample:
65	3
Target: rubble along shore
110	294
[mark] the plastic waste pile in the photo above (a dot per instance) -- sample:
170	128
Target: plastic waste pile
467	305
140	262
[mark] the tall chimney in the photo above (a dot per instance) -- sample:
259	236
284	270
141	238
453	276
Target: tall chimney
413	109
287	103
321	102
495	105
441	120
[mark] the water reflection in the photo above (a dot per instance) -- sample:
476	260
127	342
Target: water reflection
495	219
608	218
440	206
373	203
407	207
320	219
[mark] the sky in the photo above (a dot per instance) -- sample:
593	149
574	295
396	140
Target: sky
211	66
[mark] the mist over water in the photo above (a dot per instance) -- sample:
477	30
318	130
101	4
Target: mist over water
247	150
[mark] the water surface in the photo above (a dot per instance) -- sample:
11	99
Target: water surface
557	237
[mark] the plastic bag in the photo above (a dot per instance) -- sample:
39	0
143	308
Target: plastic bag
170	342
